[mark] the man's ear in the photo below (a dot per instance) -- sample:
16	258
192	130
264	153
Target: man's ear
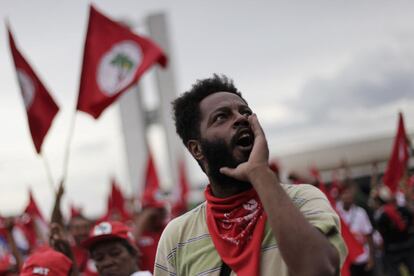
195	149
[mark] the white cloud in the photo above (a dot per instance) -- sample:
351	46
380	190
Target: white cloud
372	80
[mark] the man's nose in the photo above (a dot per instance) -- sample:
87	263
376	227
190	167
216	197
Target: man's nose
107	261
241	120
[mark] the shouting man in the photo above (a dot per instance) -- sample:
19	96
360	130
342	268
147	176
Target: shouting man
250	223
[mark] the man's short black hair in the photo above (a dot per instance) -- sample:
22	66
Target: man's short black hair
187	107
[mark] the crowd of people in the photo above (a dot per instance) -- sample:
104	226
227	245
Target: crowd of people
111	245
250	223
382	222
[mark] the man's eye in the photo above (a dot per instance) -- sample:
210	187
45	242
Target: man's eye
247	112
115	253
219	117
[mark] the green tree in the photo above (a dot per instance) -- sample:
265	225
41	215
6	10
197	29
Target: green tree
124	65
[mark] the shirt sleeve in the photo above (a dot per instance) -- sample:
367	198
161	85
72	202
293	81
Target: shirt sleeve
318	211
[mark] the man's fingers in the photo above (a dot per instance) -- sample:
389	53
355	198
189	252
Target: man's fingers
256	127
227	171
260	148
259	154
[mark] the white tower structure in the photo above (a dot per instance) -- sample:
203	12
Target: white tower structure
136	120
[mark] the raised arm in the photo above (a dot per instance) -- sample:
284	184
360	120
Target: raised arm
57	216
305	250
59	242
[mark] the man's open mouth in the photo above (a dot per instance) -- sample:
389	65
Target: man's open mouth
244	140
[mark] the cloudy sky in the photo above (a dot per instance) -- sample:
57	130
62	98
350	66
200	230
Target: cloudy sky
316	72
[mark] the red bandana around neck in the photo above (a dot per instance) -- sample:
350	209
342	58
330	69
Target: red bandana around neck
236	225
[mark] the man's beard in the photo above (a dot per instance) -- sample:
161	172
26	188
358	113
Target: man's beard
218	154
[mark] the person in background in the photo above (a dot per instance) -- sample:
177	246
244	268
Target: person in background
113	248
409	193
49	262
360	226
148	229
395	224
78	229
10	256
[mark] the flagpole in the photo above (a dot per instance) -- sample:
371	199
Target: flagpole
48	173
67	148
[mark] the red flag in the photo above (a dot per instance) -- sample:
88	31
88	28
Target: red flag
397	163
355	248
410	182
180	194
320	184
315	173
152	192
274	166
75	211
32	209
116	204
3	229
40	107
114	60
33	224
335	186
6	256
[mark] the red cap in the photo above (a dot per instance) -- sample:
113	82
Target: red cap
46	262
109	230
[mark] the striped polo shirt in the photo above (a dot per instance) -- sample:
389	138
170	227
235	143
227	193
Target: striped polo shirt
186	248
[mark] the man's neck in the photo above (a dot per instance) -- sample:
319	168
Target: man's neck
223	191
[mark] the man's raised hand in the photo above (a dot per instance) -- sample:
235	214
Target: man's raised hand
259	156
